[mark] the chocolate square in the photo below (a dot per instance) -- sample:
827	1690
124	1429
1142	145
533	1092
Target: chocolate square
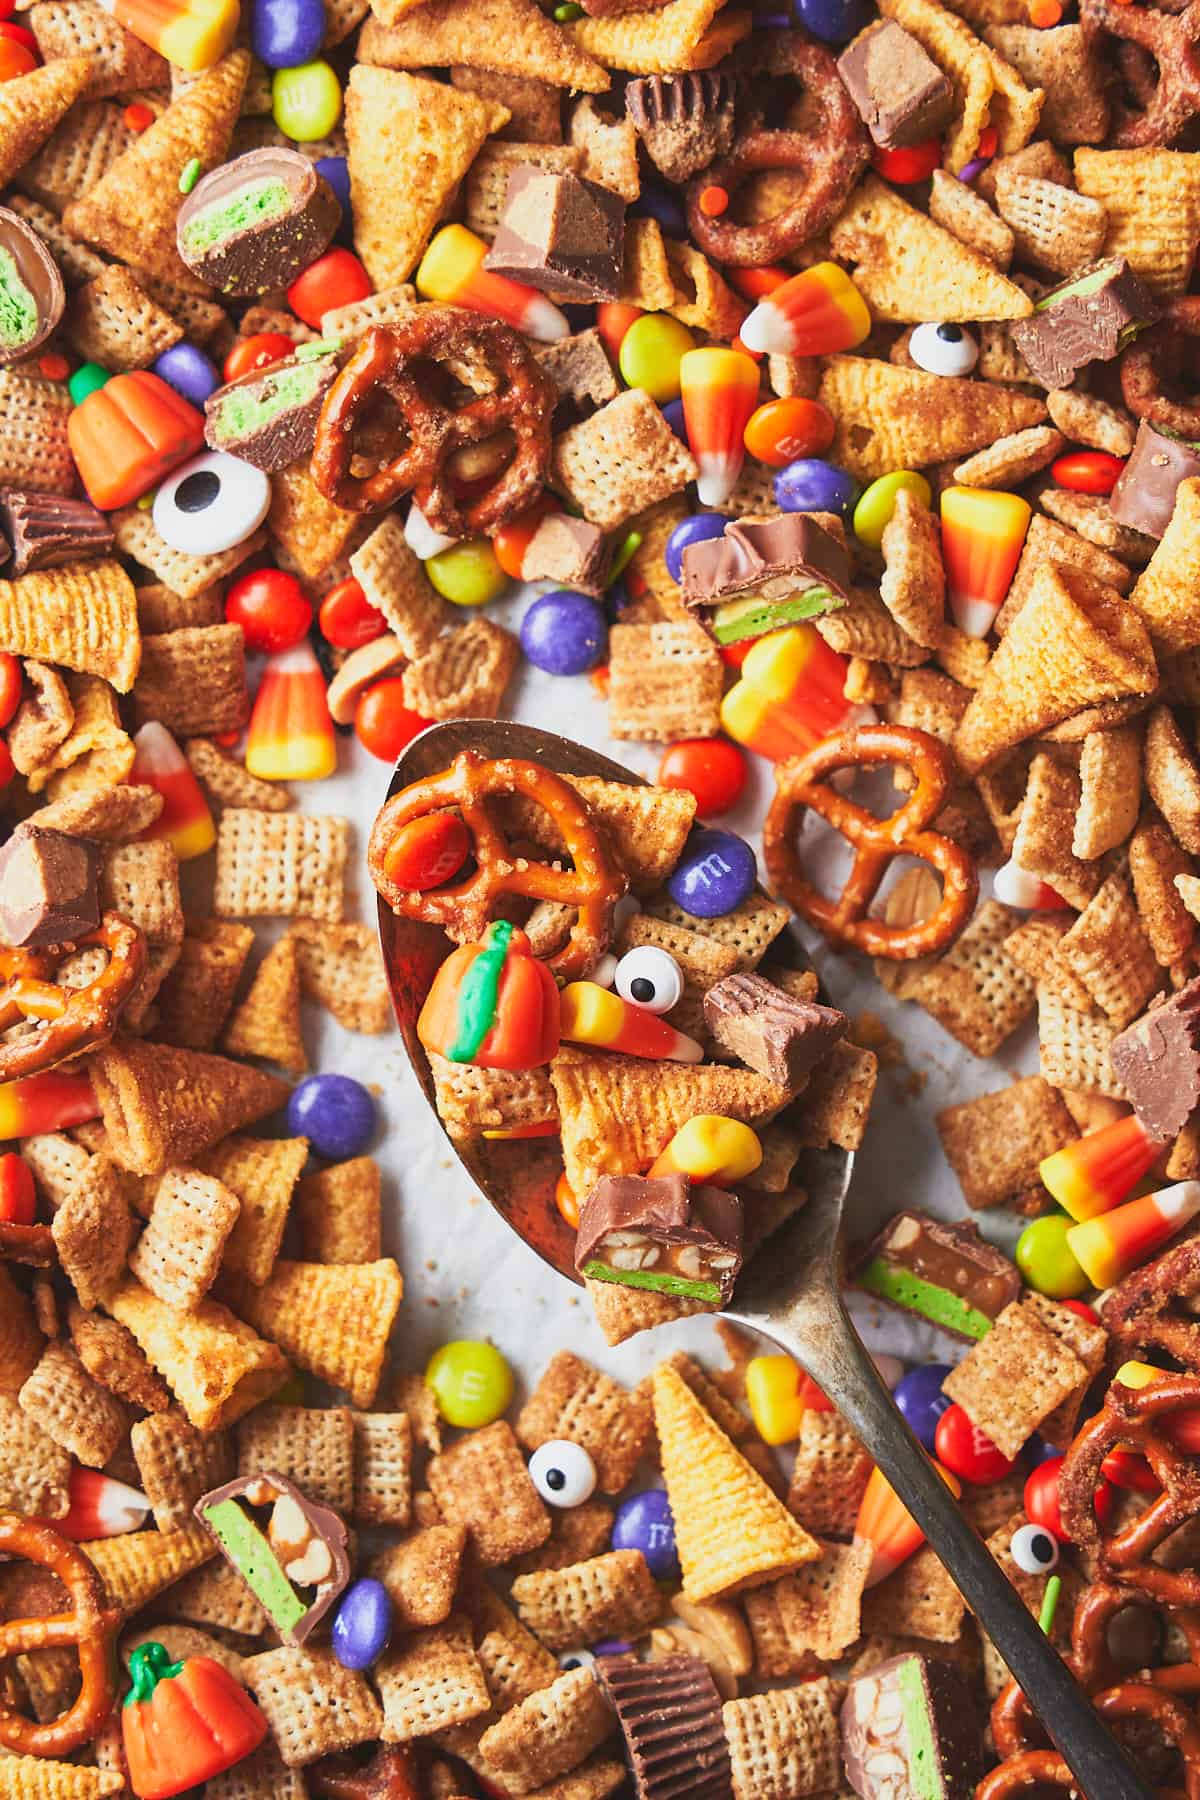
1157	1059
901	95
769	1030
946	1273
561	234
910	1727
1144	497
1087	319
48	889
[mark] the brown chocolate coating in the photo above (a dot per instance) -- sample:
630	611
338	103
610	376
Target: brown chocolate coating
670	1714
1069	330
950	1256
37	272
569	551
901	95
769	1030
1157	1059
752	554
1144	497
47	888
667	1209
47	530
322	1523
878	1747
561	234
270	252
685	121
289	434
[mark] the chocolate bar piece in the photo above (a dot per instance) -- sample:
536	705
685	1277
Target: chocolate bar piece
1157	1060
47	530
295	1568
269	417
48	889
762	573
946	1273
32	295
1088	319
911	1731
670	1713
1144	497
769	1030
900	93
664	1234
569	551
685	121
560	233
254	223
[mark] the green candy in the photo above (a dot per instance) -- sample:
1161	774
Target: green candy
1046	1259
254	204
255	1561
86	379
651	352
306	102
877	503
471	1383
240	412
18	308
678	1285
938	1304
467	574
751	616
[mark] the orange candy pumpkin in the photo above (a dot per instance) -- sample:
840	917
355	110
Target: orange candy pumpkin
130	433
492	1004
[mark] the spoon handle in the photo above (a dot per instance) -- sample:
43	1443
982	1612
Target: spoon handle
836	1359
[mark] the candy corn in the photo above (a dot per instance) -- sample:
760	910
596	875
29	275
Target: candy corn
290	735
983	532
421	538
1108	1246
719	389
452	271
100	1507
193	34
50	1102
711	1148
790	695
1015	886
595	1015
886	1524
185	820
815	313
1095	1173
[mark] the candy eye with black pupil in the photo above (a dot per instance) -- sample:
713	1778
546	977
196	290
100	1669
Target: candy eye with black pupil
1034	1550
576	1659
649	978
563	1473
943	349
211	504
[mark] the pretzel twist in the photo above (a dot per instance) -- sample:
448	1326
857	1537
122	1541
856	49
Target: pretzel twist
1171	40
70	1020
91	1624
800	784
1155	355
1136	1700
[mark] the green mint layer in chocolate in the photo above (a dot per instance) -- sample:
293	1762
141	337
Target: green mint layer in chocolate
244	411
256	1563
924	1764
658	1284
752	616
254	204
18	308
938	1304
1083	286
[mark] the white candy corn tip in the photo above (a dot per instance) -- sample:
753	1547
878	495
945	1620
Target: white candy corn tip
766	330
685	1049
420	536
1178	1203
718	476
1014	886
974	618
544	321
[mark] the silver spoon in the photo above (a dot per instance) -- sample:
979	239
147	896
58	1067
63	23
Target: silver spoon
793	1296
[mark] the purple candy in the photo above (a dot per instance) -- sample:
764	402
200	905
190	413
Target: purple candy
833	21
691	531
188	371
612	1647
645	1523
564	633
811	485
336	171
286	33
920	1398
714	875
672	412
658	202
975	167
335	1113
361	1624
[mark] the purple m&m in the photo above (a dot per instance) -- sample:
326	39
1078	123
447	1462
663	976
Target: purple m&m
672	412
920	1398
334	1112
715	874
336	171
564	633
361	1624
285	33
691	531
189	372
833	21
811	485
644	1522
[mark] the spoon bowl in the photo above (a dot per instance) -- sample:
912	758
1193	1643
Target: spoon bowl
791	1296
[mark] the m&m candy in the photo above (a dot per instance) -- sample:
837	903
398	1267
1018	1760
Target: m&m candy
271	608
876	504
811	485
965	1450
782	431
306	100
335	1113
905	167
1087	471
286	32
467	574
714	875
335	279
693	530
471	1382
188	371
652	349
428	851
18	1196
346	618
711	769
1045	1258
644	1522
564	633
362	1624
919	1396
384	723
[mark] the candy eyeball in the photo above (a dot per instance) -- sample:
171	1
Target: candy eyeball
211	504
563	1473
576	1659
1034	1550
649	978
943	349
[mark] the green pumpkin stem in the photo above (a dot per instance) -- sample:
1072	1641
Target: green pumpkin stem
149	1664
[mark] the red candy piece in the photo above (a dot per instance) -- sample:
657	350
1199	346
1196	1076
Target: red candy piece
512	540
18	1200
20	34
1087	471
967	1451
428	851
383	723
613	319
781	431
905	167
7	766
271	609
712	769
1082	1310
10	687
567	1204
130	433
347	619
257	352
1041	1498
15	59
1127	1469
335	279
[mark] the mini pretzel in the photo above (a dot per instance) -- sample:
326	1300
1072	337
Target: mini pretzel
363	460
828	155
391	1774
1132	1416
594	884
91	1624
1150	1310
1155	356
1137	1700
800	783
1171	41
70	1020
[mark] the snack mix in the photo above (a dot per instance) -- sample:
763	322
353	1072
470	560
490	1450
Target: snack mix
829	369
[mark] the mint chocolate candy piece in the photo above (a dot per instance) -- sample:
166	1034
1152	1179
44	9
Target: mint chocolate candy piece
1088	319
48	888
911	1731
1157	1061
269	417
666	1234
900	94
764	573
947	1274
1144	497
561	234
254	223
32	296
291	1553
